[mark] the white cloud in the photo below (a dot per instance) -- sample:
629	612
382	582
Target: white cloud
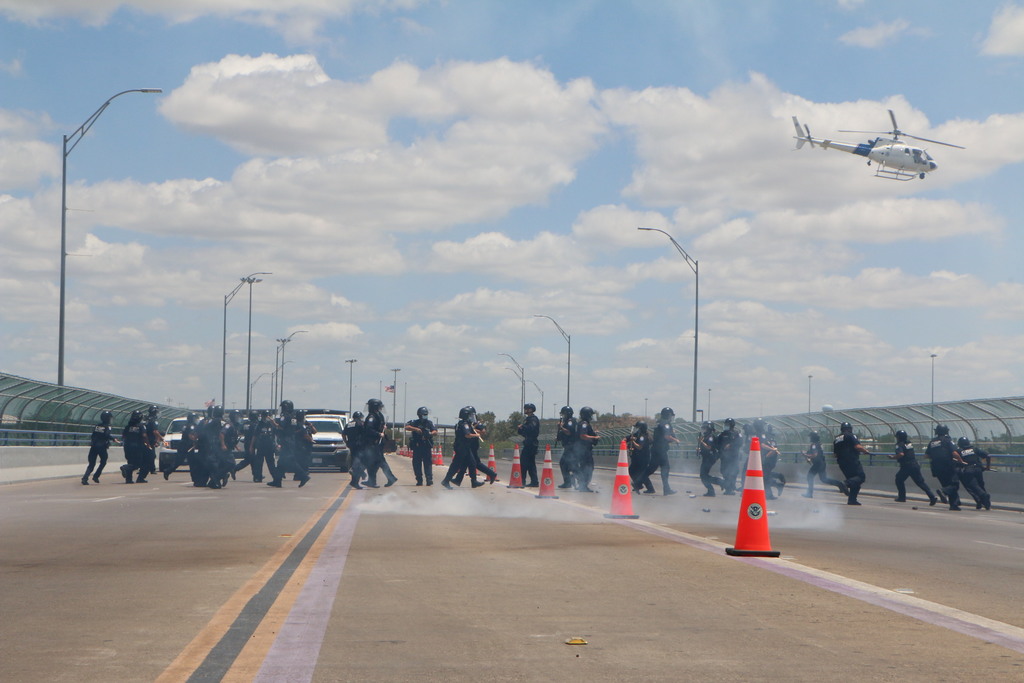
1006	33
875	36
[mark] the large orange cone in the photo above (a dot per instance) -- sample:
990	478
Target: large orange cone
752	528
516	478
622	498
438	458
547	476
491	462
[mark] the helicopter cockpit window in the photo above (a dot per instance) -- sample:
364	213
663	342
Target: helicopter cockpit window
906	150
919	156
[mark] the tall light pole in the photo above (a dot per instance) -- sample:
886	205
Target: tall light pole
74	139
394	405
351	363
252	387
809	378
568	361
283	342
522	379
249	279
934	356
695	267
224	343
541	397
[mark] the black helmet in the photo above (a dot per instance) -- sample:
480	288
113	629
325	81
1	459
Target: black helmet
422	411
530	406
586	413
234	415
566	411
218	412
640	427
287	407
769	430
901	437
190	418
667	413
963	442
134	417
152	411
815	437
374	405
729	423
846	427
106	416
356	415
466	412
707	427
941	430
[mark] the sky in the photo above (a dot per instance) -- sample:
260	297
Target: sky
422	179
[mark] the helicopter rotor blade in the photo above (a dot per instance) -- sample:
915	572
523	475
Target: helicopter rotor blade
937	142
871	132
895	126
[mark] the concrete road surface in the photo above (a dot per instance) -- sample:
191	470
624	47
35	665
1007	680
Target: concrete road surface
163	581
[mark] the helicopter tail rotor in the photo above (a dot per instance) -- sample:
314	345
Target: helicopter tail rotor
802	135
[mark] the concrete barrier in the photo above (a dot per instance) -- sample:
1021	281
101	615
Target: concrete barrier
27	463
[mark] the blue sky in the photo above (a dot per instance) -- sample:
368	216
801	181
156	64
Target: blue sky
422	178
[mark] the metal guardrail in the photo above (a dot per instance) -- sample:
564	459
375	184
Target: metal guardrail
34	437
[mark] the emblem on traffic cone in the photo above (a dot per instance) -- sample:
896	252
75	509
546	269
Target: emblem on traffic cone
516	478
491	462
752	528
547	476
622	498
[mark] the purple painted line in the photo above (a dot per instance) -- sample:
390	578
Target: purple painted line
917	609
294	653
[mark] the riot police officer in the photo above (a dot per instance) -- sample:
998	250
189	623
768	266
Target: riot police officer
530	431
769	461
154	438
422	443
708	457
186	445
640	457
816	457
847	449
909	467
945	461
728	444
354	436
133	438
290	429
214	448
566	435
463	459
586	438
99	442
374	429
975	462
252	459
664	435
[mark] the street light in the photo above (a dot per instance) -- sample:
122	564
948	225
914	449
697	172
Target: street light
541	397
351	363
394	405
248	356
809	377
283	342
695	267
568	362
522	379
74	139
248	279
934	356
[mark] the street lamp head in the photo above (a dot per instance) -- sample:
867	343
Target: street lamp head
151	90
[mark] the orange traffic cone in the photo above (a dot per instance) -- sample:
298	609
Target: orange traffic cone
438	458
516	478
491	462
622	498
547	476
752	528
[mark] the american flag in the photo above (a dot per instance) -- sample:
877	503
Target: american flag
210	403
390	388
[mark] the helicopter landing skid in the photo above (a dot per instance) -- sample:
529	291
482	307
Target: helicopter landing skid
890	173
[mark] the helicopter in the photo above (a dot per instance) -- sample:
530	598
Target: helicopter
895	159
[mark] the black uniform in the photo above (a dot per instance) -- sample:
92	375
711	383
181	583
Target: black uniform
422	443
354	439
708	457
291	431
530	431
659	453
474	446
640	461
848	459
463	459
728	443
567	435
374	427
264	448
945	468
970	476
133	437
816	457
211	449
769	461
585	454
154	438
909	467
99	442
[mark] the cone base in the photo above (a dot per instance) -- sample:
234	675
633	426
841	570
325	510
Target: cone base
735	552
622	516
554	497
510	486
